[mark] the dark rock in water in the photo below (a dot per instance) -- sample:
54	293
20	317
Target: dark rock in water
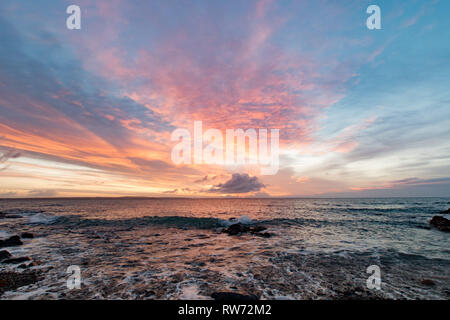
178	277
16	260
11	242
233	296
25	265
263	234
238	228
14	280
4	255
427	282
27	235
446	211
440	223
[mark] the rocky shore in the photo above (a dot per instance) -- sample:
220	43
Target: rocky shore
238	261
14	280
10	280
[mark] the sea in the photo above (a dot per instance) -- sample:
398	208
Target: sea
176	248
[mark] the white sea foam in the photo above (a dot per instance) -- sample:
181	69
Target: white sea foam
190	292
242	219
42	218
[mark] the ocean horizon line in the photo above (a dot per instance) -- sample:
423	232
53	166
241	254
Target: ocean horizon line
217	198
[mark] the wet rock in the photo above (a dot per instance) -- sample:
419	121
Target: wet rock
233	296
440	223
27	235
16	260
11	242
446	211
28	265
4	255
176	278
263	234
427	282
238	228
14	280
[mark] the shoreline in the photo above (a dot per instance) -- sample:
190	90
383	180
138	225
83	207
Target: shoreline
299	250
147	270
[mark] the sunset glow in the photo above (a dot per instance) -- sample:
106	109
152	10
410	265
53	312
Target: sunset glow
90	112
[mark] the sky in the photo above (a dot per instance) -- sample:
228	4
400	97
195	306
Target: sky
90	112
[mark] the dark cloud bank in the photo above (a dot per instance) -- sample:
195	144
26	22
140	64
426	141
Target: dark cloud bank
239	183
